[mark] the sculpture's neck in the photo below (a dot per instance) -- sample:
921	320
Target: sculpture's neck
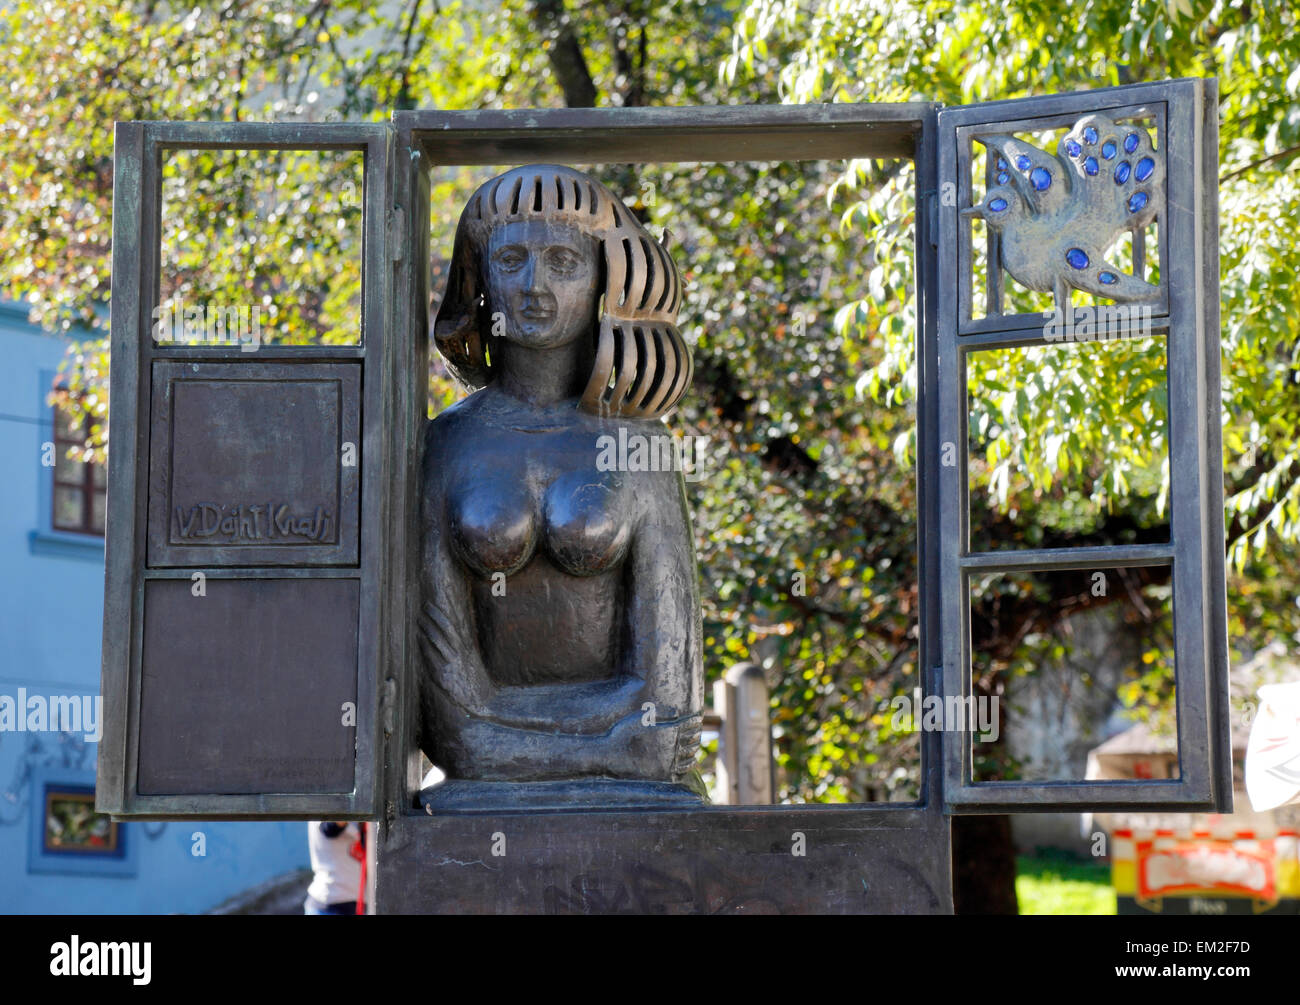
543	376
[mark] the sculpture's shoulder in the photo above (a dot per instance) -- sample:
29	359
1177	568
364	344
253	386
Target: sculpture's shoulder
651	457
460	411
443	433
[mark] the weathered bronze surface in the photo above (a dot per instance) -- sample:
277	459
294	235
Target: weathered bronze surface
559	605
246	688
706	860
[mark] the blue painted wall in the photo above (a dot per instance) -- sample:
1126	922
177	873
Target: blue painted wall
51	615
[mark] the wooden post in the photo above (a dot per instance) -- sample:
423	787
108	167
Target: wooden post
745	738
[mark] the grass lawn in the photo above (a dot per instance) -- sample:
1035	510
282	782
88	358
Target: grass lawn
1063	886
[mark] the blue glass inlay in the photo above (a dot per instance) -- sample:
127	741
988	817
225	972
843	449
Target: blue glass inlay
1002	165
1090	135
1090	165
1072	148
1077	258
1041	179
1121	172
997	205
1130	142
1003	178
1109	278
1108	149
1145	166
1137	201
1022	162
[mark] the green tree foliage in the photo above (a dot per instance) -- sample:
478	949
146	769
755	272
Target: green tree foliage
798	275
1071	443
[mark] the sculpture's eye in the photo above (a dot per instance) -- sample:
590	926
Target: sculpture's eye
510	259
564	261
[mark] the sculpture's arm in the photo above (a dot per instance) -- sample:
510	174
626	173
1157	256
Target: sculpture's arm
663	612
568	708
472	747
485	732
445	624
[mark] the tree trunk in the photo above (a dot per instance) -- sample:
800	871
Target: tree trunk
983	866
565	54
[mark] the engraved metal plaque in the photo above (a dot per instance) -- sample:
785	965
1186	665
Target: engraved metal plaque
254	465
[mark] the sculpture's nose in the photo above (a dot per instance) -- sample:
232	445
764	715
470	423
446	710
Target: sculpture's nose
972	212
532	276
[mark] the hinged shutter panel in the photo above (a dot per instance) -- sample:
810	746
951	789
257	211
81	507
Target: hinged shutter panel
245	542
1133	161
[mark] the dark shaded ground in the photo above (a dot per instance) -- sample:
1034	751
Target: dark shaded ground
281	895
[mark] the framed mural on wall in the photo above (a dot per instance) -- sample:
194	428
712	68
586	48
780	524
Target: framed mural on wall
66	835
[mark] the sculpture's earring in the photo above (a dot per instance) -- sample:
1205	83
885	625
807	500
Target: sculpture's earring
488	337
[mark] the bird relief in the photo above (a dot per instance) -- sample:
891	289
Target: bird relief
1058	216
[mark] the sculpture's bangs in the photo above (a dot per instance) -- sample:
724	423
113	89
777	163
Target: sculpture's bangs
539	192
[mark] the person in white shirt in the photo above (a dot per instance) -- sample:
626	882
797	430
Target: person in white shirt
337	879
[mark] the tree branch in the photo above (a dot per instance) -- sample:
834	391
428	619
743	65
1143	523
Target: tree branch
1288	152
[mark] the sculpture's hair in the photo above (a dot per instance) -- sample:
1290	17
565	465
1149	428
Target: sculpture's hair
643	365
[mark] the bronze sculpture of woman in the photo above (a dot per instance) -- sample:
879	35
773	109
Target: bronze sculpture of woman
560	610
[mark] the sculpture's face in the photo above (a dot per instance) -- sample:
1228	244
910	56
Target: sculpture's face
542	278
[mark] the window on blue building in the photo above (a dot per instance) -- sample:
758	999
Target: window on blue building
79	486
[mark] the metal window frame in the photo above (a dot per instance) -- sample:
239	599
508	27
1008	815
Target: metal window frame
139	150
1188	322
395	280
903	131
749	133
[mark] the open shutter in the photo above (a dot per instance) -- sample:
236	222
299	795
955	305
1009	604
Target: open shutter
246	540
1166	136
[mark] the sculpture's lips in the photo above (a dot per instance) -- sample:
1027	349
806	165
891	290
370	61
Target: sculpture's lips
537	313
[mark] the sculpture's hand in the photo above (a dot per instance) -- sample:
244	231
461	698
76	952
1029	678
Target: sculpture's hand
688	743
668	747
453	661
